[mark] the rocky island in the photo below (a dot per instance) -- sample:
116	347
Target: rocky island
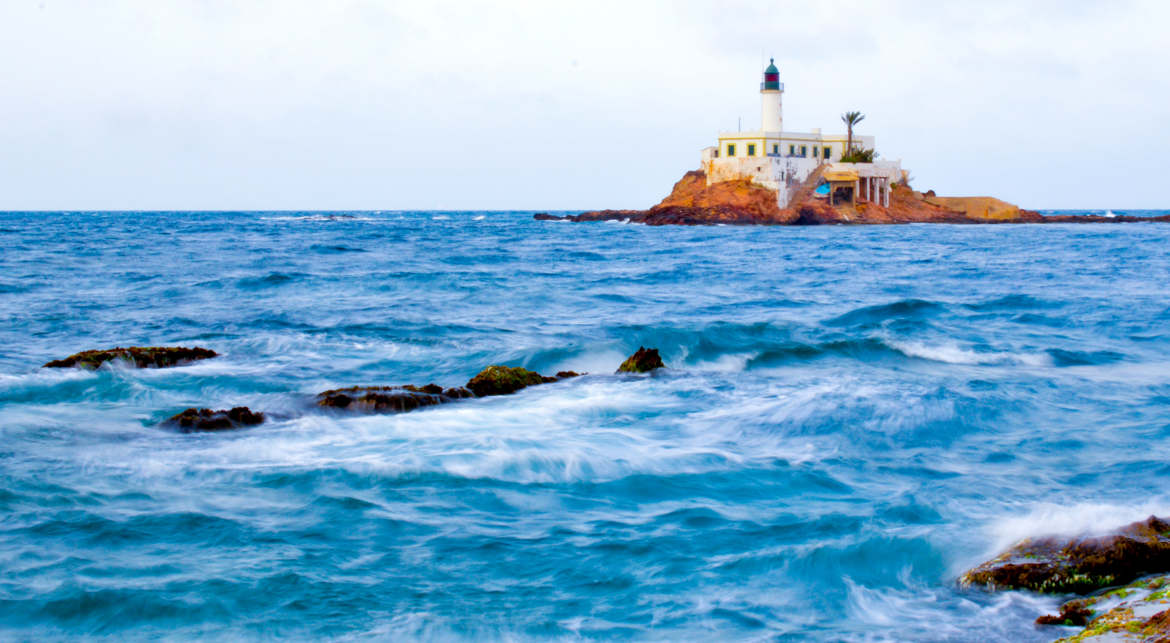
771	176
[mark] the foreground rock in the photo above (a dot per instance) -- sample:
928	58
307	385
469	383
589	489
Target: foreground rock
1079	565
390	399
741	202
1139	611
208	420
642	361
139	356
505	380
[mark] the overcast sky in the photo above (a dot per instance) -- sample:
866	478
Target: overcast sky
350	104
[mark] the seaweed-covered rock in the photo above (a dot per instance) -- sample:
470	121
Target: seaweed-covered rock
208	420
503	380
140	356
1079	565
642	361
564	375
1139	611
389	399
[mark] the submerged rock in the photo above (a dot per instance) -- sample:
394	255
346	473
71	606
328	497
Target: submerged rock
642	361
1079	565
140	356
503	380
390	399
208	420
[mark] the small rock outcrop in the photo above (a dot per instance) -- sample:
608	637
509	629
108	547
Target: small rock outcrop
504	380
389	399
1071	613
208	420
139	356
1078	565
642	361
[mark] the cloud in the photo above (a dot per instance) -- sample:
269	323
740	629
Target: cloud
514	105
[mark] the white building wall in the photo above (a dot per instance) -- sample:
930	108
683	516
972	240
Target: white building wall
773	172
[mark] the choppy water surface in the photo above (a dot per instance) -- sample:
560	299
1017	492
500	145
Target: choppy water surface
852	416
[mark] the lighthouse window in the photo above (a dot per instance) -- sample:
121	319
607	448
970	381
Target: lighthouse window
776	149
803	151
814	152
791	150
731	150
751	150
828	152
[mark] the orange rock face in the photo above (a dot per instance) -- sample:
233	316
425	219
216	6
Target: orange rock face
744	198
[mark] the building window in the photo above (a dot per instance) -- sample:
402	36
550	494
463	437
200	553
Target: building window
776	149
717	152
828	152
791	150
751	150
814	152
731	150
803	151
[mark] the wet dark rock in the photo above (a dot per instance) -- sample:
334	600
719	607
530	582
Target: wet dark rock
1078	565
503	380
390	399
642	361
493	380
140	356
1071	613
563	375
208	420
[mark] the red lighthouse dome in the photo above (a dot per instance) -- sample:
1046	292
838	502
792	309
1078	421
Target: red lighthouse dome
771	77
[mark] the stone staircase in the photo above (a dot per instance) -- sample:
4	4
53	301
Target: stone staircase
802	191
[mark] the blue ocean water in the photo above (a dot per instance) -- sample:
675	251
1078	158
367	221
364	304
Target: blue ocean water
851	417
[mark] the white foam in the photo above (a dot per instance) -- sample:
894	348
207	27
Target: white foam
952	353
1053	519
44	376
575	430
917	611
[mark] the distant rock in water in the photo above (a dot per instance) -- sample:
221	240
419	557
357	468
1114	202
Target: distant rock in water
208	420
642	361
139	356
493	380
504	380
389	399
1078	565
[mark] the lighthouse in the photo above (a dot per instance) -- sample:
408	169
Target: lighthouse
771	100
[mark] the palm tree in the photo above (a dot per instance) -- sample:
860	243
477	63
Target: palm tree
851	119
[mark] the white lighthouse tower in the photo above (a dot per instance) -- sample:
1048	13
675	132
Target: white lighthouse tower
771	100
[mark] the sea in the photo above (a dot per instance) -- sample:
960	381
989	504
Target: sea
850	417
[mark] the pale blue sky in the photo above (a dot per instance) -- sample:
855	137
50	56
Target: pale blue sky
548	105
